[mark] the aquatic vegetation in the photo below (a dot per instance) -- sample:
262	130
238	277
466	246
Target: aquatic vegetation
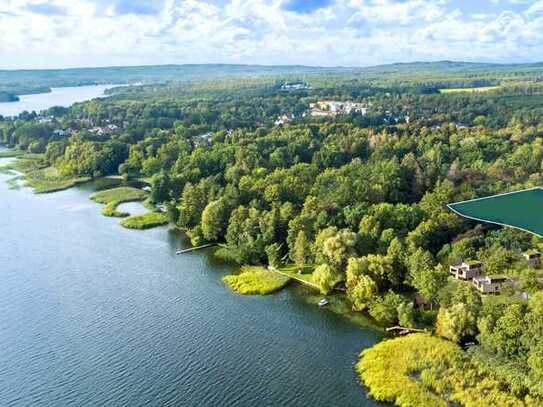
40	177
424	370
119	195
111	210
256	280
146	221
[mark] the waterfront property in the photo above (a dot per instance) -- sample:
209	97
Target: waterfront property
519	210
491	284
467	270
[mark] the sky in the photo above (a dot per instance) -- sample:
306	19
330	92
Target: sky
74	33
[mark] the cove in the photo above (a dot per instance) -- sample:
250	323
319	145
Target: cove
65	97
94	314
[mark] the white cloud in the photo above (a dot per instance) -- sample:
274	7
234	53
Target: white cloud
347	32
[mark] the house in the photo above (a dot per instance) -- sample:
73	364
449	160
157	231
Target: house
491	284
294	86
203	140
419	302
533	257
281	120
334	108
466	270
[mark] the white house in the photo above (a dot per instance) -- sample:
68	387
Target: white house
466	270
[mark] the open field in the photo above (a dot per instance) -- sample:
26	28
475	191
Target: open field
469	90
520	210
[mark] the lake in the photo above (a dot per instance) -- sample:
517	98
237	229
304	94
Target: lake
93	314
66	96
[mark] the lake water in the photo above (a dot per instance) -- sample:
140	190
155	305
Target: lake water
66	96
92	314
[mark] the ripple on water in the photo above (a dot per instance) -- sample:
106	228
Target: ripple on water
93	314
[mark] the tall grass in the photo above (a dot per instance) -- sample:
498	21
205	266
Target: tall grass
423	370
256	280
146	221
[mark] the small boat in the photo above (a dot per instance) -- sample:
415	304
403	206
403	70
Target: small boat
323	302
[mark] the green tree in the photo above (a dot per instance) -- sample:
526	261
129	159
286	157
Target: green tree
456	322
362	293
326	278
301	249
214	220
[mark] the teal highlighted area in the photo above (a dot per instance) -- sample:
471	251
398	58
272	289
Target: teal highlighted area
522	210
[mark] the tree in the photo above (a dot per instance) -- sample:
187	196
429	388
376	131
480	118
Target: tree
214	220
362	293
406	315
339	248
301	249
456	322
160	187
385	309
428	282
326	278
273	251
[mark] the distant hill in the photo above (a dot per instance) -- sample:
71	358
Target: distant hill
28	81
17	82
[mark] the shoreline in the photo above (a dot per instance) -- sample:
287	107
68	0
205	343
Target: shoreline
308	294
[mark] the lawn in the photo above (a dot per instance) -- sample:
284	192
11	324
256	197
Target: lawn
469	90
256	280
521	210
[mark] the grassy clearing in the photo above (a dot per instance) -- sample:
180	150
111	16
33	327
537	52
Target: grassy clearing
119	195
423	370
293	272
145	221
41	178
469	90
256	280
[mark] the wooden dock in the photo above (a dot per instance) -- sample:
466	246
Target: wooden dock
400	330
294	277
193	249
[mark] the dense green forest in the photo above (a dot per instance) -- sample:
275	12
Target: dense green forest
358	200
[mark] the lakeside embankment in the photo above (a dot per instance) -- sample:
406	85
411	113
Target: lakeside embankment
126	313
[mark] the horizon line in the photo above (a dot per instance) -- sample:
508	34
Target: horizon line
322	67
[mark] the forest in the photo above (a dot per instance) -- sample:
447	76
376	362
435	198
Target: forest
357	201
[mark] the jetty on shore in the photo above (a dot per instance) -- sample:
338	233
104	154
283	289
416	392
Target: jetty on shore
193	249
